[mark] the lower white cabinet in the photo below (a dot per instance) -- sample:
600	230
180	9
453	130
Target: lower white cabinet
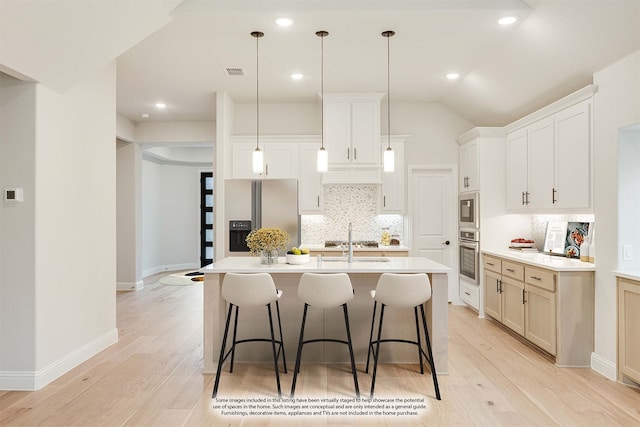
470	294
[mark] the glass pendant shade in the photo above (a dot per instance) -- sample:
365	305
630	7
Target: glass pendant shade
389	160
258	161
323	160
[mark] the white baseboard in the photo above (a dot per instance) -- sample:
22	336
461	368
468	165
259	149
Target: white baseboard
170	267
35	380
604	367
129	286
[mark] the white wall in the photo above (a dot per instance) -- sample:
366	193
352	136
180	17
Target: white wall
17	229
616	105
62	252
129	215
171	212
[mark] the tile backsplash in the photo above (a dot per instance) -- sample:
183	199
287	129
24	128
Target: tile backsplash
539	225
349	203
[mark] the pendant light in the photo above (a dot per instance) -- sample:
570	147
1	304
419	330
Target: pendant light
389	157
323	155
257	159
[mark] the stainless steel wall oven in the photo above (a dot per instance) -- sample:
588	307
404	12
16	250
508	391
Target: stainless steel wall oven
469	256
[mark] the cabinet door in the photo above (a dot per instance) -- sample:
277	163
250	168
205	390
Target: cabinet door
337	132
492	295
241	158
540	318
516	169
628	331
280	160
469	168
310	181
573	157
540	167
512	305
392	188
365	133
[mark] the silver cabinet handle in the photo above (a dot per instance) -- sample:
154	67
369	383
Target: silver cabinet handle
348	154
510	270
355	153
266	169
523	197
553	195
318	201
491	264
535	278
384	201
467	293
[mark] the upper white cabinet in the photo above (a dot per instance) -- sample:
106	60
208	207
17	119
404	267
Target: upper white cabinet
352	129
310	190
549	157
469	166
280	159
392	188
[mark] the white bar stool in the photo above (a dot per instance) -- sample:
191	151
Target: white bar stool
250	290
325	290
402	291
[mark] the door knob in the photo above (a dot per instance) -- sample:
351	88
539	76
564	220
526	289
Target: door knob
447	243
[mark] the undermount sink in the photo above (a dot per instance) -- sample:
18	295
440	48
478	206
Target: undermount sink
356	259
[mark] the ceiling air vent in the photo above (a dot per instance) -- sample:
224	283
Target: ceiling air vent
234	71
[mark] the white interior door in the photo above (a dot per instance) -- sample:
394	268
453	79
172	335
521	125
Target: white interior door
433	225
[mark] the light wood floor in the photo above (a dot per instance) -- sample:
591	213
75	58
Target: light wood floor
153	377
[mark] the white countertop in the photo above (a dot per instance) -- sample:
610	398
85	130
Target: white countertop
380	248
632	274
539	259
394	265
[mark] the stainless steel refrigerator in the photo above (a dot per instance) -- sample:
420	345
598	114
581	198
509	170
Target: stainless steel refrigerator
267	203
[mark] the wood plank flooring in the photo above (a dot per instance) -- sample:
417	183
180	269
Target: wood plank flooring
153	377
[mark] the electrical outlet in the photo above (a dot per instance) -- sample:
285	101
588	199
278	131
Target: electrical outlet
627	252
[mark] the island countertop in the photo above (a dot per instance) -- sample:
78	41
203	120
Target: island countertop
248	264
364	273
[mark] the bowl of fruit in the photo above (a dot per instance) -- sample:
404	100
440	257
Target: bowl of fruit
297	256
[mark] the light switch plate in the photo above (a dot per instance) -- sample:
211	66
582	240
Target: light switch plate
627	252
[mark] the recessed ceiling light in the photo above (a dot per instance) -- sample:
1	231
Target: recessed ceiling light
284	22
453	76
161	105
144	115
297	76
507	20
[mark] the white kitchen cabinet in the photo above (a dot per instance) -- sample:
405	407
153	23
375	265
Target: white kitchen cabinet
310	190
352	129
549	157
530	166
392	188
280	160
469	167
573	157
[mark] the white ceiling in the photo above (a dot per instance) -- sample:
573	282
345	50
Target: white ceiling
505	72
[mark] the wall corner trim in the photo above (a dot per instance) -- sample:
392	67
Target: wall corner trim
604	367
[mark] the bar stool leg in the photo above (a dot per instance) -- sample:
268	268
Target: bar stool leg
235	332
370	349
415	312
353	361
376	355
221	358
284	358
273	346
299	354
432	365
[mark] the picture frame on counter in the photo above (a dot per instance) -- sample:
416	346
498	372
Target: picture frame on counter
564	238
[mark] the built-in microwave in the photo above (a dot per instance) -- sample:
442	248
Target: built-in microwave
468	208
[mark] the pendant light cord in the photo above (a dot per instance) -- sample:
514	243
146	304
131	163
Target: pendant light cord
257	35
390	33
322	92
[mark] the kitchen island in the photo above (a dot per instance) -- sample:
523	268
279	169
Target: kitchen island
364	274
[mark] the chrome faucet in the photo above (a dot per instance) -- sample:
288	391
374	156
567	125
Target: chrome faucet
350	258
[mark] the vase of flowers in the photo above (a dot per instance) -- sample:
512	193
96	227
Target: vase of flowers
266	242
